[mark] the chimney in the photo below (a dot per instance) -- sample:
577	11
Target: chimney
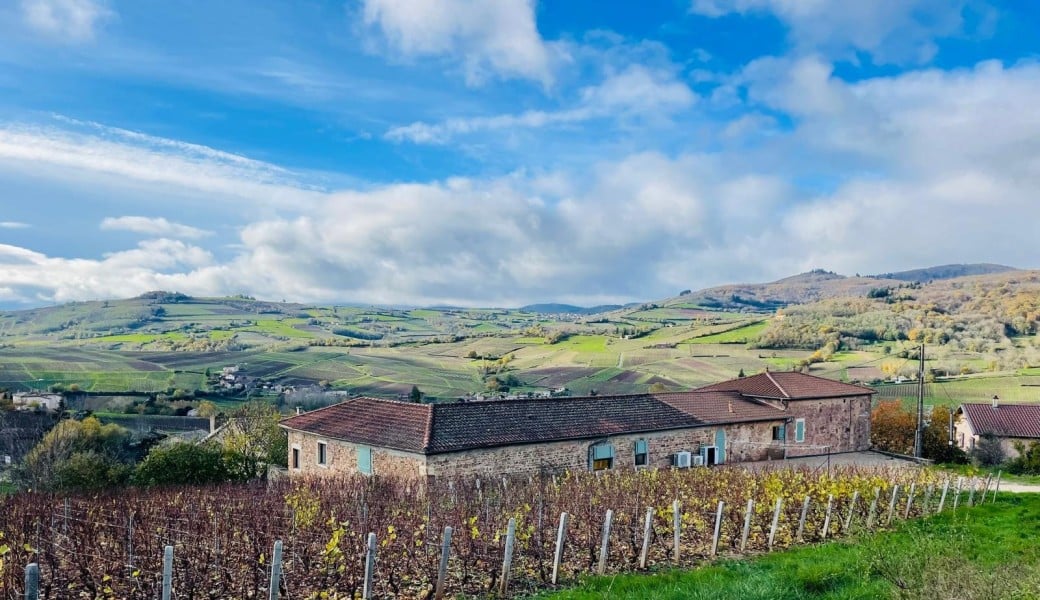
995	400
212	423
299	410
731	405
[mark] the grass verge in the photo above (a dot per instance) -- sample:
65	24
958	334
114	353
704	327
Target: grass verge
986	551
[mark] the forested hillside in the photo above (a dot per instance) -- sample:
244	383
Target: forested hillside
993	314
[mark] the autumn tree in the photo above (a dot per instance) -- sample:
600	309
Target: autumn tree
79	455
891	428
937	444
254	440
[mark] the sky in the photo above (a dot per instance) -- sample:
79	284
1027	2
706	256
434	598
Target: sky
504	152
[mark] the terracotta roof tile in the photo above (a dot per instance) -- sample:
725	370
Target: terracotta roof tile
386	423
788	385
449	427
1006	420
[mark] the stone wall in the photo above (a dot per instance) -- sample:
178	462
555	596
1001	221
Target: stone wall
341	457
831	425
744	442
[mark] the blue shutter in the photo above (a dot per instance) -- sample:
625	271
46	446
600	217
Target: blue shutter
640	446
783	432
799	430
720	446
364	460
601	451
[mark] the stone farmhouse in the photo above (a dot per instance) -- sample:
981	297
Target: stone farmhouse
764	417
1012	424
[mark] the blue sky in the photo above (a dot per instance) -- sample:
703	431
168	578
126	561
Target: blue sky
508	151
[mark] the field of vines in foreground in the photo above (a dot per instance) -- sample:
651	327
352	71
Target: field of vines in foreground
110	545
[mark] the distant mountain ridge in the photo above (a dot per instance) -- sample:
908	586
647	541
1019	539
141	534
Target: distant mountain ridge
551	308
820	284
951	271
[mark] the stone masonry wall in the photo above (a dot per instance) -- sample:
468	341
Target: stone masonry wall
831	425
341	457
744	442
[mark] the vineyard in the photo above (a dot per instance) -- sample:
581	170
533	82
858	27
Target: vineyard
111	545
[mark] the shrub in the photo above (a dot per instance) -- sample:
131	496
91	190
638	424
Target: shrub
1028	460
181	463
988	452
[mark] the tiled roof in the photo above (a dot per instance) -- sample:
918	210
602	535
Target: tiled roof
386	423
1006	420
720	407
449	427
788	385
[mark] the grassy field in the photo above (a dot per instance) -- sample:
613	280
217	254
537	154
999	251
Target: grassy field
986	552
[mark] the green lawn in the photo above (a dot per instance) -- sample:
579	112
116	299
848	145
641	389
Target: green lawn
973	471
281	327
987	552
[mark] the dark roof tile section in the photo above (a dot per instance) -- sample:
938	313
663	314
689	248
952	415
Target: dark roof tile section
1006	420
788	385
450	427
386	423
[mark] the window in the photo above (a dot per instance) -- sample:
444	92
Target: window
779	433
642	452
602	457
799	430
322	453
364	460
296	457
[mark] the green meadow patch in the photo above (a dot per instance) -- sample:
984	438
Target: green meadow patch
983	552
739	335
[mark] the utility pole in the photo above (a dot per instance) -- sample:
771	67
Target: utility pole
919	435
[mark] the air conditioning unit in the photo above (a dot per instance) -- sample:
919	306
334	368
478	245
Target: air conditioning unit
698	461
683	460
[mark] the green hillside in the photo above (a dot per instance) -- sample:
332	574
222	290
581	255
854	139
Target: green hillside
973	326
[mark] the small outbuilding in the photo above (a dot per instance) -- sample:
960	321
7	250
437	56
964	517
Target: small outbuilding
1012	424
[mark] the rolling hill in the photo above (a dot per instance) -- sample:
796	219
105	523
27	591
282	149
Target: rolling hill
822	321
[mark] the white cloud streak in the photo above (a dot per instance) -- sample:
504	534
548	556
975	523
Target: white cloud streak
153	226
13	225
70	21
636	92
93	150
892	31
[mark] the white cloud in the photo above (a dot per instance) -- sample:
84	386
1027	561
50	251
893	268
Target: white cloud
153	264
67	20
890	30
82	149
13	225
499	37
153	226
635	92
926	167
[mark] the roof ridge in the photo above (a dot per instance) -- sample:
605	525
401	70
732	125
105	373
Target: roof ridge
327	407
777	384
431	414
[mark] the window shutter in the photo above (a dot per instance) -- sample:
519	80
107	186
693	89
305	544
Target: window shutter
364	460
601	451
640	446
799	430
783	432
